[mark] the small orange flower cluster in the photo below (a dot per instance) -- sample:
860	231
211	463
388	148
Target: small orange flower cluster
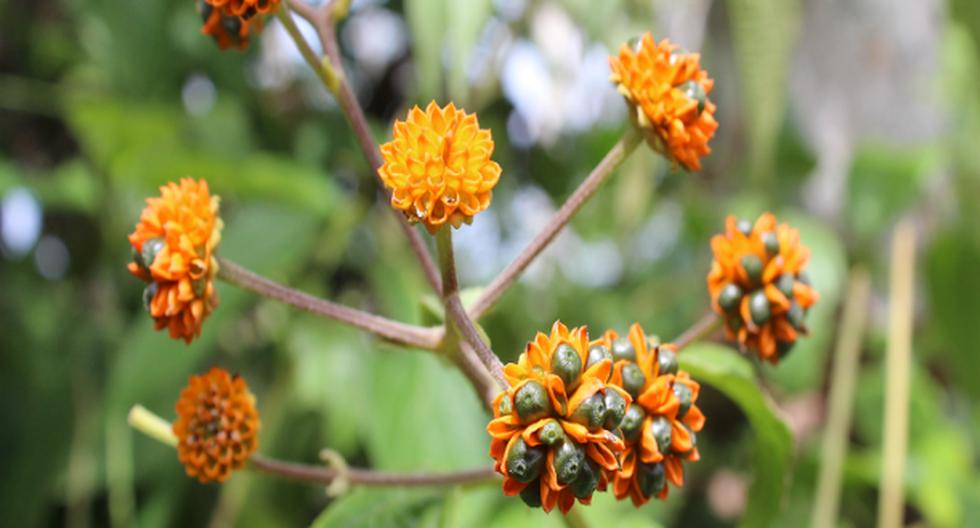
173	250
438	166
231	22
758	284
668	93
581	414
217	425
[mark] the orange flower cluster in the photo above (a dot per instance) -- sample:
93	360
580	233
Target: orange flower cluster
668	94
173	250
552	432
438	166
758	284
660	427
217	425
231	22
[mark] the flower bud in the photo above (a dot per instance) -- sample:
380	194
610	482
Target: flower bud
632	421
759	308
771	242
591	412
569	459
660	427
685	397
615	409
531	494
597	354
532	402
753	268
551	433
566	363
729	297
524	463
622	348
587	481
651	478
633	379
666	361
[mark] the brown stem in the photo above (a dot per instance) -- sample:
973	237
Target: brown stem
486	385
365	477
397	332
560	219
702	328
330	71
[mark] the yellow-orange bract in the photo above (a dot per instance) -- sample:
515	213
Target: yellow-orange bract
559	417
245	9
227	29
777	288
647	466
668	94
173	245
217	425
438	166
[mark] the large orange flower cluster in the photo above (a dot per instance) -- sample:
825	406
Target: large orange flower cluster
217	425
231	22
438	166
173	250
660	427
759	286
668	94
552	432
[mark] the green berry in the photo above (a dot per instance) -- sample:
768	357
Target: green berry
566	363
524	463
587	481
551	433
622	348
685	397
666	361
632	421
651	478
771	242
531	494
569	459
694	90
532	402
661	431
759	308
597	354
591	412
729	297
753	268
615	409
785	284
633	379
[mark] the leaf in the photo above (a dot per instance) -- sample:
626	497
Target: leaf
731	374
378	508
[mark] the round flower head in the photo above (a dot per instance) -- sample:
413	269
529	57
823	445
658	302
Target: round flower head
552	435
173	250
217	425
758	284
244	9
660	428
228	30
438	166
667	92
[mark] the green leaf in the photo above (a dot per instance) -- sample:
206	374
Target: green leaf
731	374
378	508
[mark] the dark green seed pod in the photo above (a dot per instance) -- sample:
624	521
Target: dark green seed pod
569	459
622	348
531	494
796	316
694	90
199	286
735	322
685	396
551	433
729	297
771	242
597	354
785	285
783	348
652	342
632	422
803	277
759	308
587	481
137	258
666	362
205	9
633	379
591	412
232	24
661	431
753	268
148	293
524	463
651	478
566	362
532	402
744	226
504	407
635	44
151	248
615	409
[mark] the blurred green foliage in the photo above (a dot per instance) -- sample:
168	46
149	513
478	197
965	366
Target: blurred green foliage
92	119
